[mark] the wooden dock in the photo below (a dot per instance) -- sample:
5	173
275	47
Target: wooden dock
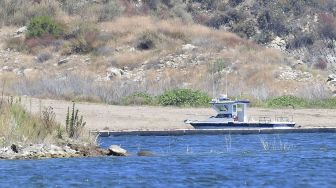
242	131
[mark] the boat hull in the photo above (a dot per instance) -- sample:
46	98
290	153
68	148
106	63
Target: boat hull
216	125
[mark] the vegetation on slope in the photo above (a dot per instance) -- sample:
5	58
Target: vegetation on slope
143	40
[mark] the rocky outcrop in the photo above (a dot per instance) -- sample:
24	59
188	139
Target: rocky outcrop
45	151
278	43
331	82
287	73
37	151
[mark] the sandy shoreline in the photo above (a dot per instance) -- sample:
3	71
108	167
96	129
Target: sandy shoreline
118	118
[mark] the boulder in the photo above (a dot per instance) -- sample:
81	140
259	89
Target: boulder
278	43
113	72
331	77
116	150
188	47
63	61
21	30
145	153
331	83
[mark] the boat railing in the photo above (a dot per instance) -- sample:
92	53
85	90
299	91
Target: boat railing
282	119
265	119
268	119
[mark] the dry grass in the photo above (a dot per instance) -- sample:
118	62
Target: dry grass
17	125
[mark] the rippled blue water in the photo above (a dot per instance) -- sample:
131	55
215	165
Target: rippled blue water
286	160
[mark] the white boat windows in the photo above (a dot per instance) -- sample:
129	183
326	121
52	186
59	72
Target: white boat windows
234	108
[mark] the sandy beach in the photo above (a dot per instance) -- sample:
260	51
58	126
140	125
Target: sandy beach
117	118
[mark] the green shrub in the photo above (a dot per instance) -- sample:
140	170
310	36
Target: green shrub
245	29
43	25
74	123
184	97
138	98
287	101
324	103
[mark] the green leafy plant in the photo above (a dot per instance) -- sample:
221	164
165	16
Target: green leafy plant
138	98
287	101
184	97
43	25
74	123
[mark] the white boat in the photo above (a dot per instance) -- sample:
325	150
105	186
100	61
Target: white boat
233	114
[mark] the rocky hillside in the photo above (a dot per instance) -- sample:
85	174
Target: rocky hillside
106	49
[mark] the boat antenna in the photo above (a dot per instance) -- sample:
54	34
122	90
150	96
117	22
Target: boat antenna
213	80
226	84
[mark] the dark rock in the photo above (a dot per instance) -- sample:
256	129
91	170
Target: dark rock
62	61
89	151
145	153
14	148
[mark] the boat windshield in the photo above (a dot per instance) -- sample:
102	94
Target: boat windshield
224	116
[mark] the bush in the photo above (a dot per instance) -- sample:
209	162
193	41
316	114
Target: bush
230	15
74	123
245	29
218	20
109	11
287	101
34	43
43	25
84	39
327	26
138	98
147	41
235	2
184	97
321	64
302	40
271	22
43	57
218	66
324	103
20	12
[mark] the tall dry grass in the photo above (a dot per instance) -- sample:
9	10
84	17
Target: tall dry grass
20	12
18	126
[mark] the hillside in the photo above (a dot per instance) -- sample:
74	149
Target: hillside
103	50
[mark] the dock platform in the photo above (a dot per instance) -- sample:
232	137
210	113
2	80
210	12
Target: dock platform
243	131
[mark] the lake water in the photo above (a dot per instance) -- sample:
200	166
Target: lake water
285	160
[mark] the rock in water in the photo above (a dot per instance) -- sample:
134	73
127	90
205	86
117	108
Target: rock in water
145	153
117	151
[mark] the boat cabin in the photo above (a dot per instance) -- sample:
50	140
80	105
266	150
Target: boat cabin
232	110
